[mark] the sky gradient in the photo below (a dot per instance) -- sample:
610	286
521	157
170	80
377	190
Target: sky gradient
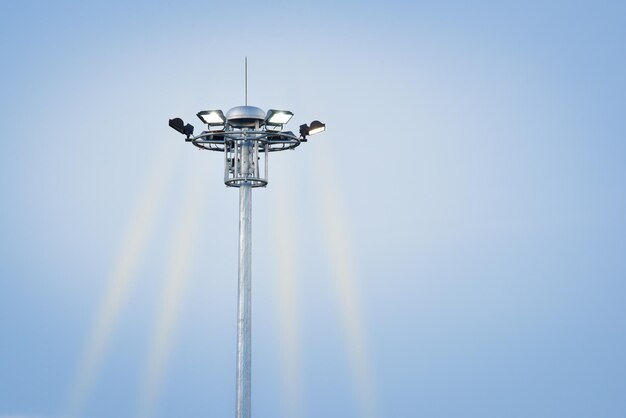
454	245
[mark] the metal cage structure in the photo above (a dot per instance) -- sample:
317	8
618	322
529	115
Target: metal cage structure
246	152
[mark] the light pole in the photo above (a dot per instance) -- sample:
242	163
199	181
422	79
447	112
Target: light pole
245	135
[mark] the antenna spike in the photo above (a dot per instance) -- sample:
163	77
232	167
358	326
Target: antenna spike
246	81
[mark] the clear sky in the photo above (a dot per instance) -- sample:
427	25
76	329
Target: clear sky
453	246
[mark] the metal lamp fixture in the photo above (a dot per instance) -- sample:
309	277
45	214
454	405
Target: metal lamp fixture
246	135
179	125
277	117
212	117
315	127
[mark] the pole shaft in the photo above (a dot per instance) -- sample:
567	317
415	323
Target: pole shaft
244	330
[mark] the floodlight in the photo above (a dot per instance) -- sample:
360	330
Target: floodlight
316	127
178	125
278	117
212	117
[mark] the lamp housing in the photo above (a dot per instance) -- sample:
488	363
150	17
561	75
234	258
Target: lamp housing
212	117
178	125
316	127
277	117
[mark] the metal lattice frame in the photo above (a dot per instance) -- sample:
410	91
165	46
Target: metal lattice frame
234	143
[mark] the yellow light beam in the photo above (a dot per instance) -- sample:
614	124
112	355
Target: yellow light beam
342	265
287	290
174	286
120	280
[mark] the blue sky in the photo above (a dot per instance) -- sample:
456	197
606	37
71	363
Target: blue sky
455	239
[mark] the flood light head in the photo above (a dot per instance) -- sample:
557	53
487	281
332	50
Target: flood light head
277	117
212	117
316	127
178	125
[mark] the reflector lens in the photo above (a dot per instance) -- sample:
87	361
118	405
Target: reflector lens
212	117
278	117
316	127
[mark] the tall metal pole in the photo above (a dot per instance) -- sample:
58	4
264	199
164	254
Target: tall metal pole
244	330
246	135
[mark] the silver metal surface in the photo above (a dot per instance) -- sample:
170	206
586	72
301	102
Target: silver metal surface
244	330
268	140
244	116
255	145
246	138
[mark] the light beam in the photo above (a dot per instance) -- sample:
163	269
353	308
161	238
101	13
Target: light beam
120	281
287	289
345	280
181	254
